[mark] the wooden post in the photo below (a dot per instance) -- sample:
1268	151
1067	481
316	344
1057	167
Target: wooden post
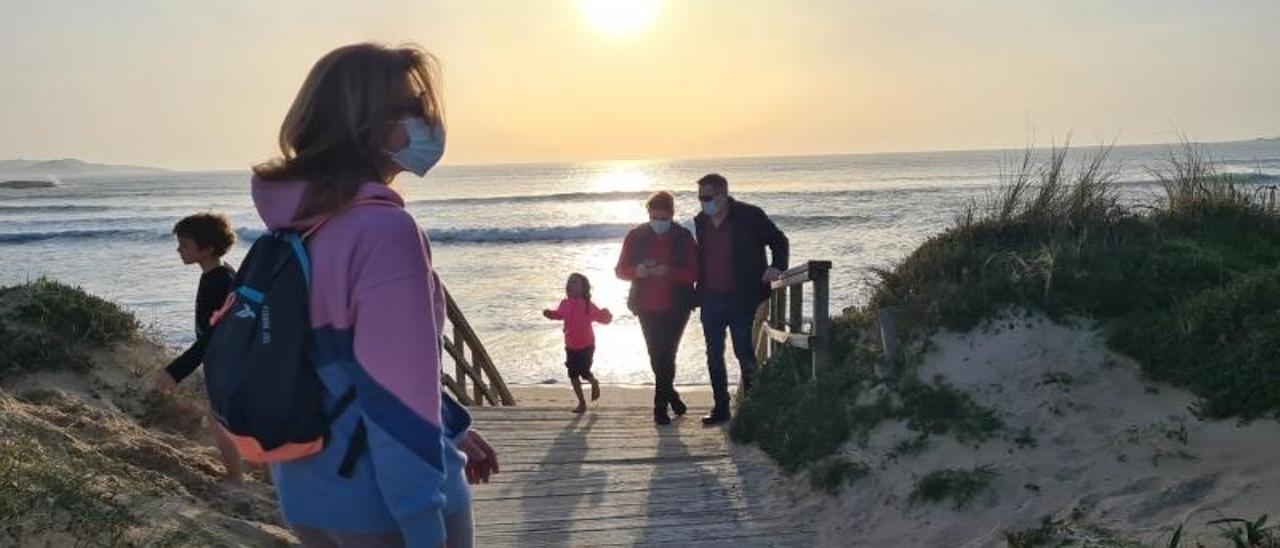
759	337
889	338
819	272
778	314
460	376
479	373
796	314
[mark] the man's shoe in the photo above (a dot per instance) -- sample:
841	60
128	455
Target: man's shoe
715	418
679	408
661	418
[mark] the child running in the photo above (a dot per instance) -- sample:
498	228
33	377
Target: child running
578	312
203	239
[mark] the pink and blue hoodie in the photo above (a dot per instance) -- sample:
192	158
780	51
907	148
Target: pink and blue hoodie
377	311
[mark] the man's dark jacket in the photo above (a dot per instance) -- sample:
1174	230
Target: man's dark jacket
752	232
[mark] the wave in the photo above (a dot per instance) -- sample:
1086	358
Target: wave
564	197
583	232
598	231
122	234
52	208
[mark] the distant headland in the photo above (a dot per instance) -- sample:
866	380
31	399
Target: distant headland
24	170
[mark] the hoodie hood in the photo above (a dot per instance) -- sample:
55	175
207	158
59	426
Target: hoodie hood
278	202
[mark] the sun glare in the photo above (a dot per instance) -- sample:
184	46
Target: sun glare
620	17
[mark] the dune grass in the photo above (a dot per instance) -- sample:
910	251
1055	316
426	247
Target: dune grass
960	487
831	475
1189	286
52	488
47	325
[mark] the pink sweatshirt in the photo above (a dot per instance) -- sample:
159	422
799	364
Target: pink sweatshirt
377	312
578	315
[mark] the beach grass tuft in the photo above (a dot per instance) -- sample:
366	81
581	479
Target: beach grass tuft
47	325
960	487
832	474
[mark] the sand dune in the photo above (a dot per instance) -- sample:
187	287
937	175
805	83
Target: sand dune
1109	456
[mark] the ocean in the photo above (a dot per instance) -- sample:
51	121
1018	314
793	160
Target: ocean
506	236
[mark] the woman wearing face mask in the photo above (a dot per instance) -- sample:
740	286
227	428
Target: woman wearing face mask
364	114
660	259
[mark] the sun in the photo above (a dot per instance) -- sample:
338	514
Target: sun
620	17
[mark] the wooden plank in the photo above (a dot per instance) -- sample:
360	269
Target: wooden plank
458	392
460	359
806	272
781	336
611	478
460	371
795	315
821	316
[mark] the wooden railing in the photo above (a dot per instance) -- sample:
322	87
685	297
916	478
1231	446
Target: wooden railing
785	326
471	361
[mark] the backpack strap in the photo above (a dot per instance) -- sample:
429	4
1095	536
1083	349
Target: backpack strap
359	439
341	405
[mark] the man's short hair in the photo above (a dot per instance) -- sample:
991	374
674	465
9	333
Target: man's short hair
715	181
661	201
208	230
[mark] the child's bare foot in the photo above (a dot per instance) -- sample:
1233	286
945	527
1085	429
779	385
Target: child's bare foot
595	389
581	408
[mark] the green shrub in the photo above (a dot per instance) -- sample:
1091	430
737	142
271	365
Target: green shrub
71	314
940	408
795	421
961	487
1223	344
832	474
48	325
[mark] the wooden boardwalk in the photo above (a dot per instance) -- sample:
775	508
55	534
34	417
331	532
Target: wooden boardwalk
612	478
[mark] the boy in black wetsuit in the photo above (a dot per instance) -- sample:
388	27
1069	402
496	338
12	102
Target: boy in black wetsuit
203	239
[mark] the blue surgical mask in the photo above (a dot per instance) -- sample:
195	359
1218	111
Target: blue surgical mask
659	227
710	207
426	146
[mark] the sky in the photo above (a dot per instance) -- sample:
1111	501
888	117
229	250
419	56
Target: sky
204	84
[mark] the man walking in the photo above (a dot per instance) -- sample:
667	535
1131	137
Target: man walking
733	280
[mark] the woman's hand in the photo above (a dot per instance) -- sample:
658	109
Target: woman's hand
482	460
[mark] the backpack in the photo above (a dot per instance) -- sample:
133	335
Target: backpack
683	296
260	371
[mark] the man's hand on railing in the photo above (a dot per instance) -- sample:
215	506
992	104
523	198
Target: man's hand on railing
771	275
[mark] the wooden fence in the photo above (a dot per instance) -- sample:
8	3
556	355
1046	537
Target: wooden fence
471	364
784	324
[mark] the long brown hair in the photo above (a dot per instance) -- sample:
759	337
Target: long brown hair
334	134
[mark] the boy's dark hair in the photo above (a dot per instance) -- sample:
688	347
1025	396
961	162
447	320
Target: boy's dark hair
714	180
661	201
208	230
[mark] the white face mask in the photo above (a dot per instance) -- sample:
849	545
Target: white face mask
659	226
426	146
